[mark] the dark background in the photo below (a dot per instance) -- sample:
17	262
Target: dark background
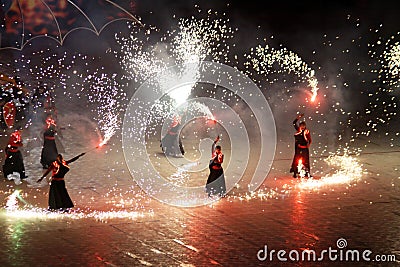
286	17
320	32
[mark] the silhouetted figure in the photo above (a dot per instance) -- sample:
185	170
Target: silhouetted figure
171	143
216	179
49	149
301	148
14	163
59	199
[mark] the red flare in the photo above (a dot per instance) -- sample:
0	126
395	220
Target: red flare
211	120
102	143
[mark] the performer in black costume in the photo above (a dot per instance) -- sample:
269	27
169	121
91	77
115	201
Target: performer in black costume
49	149
14	161
58	195
301	147
5	97
171	144
216	179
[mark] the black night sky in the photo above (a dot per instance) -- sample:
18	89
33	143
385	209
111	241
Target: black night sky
287	17
299	25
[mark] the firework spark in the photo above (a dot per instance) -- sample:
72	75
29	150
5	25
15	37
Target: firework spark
390	62
263	59
105	92
103	216
193	41
349	171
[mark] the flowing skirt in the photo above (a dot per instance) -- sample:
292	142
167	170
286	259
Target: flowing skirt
49	153
172	145
216	182
58	196
14	163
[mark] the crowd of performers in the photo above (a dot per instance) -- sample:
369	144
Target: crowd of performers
51	160
19	107
13	167
171	145
18	104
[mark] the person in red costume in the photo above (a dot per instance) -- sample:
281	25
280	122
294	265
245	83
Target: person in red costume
216	180
59	199
301	147
171	144
14	162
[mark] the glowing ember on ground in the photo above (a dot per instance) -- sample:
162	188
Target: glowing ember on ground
349	171
12	201
36	213
300	169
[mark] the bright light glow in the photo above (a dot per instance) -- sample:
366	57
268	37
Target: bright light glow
349	170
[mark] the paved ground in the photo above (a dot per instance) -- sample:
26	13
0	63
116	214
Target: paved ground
116	224
229	232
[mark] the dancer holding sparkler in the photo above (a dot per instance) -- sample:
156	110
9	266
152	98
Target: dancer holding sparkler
216	179
301	147
59	198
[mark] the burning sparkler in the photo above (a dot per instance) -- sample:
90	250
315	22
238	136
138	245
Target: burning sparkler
106	95
301	169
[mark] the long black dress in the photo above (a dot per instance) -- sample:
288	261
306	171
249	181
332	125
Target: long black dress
301	151
216	179
59	198
171	143
14	162
49	150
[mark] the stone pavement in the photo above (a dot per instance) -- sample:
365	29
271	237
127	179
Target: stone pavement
229	232
115	223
